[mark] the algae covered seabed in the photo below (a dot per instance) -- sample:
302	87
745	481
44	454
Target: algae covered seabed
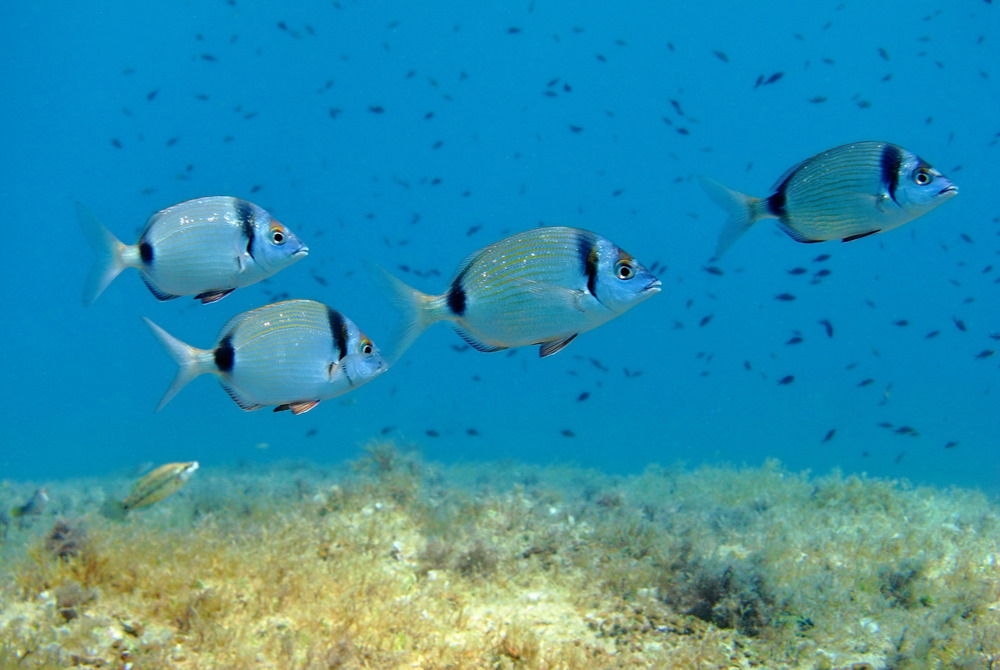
389	561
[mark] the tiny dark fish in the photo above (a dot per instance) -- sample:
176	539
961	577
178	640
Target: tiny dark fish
902	323
818	99
705	320
931	335
797	271
784	297
209	57
472	431
116	143
430	432
312	432
721	56
959	324
821	258
774	78
152	94
386	430
713	270
583	396
376	109
951	445
985	353
795	339
786	380
827	326
829	435
865	382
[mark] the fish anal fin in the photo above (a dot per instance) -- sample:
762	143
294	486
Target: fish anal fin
212	296
475	343
851	238
555	346
795	234
160	295
244	404
297	407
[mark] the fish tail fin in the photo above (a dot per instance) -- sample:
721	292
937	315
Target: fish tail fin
415	306
741	208
16	512
113	509
109	249
188	359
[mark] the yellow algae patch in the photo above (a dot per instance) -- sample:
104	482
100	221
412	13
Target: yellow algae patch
393	563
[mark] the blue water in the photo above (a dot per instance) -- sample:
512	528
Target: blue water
504	83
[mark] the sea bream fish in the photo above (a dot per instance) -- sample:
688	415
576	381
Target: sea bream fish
544	286
206	248
844	193
290	354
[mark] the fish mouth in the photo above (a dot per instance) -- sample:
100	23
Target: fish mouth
653	287
304	251
951	189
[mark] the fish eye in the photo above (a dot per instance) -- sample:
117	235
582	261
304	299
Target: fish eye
922	177
624	270
278	236
367	348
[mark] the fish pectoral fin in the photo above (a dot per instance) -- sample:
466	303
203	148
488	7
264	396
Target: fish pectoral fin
555	346
851	238
297	407
213	296
553	293
160	295
475	343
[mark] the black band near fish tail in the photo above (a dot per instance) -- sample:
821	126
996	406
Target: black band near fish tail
146	252
456	295
586	247
224	354
890	162
246	216
338	328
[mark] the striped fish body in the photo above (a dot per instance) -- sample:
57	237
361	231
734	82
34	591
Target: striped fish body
542	286
844	193
291	355
158	484
205	248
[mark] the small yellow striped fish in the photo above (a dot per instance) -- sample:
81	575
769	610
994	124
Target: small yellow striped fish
291	354
844	193
543	286
158	484
206	248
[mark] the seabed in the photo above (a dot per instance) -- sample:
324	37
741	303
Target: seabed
393	562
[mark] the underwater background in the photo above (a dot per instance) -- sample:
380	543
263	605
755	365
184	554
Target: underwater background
409	135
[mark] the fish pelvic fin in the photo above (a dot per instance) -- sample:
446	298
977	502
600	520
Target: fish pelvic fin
743	210
191	361
109	250
418	310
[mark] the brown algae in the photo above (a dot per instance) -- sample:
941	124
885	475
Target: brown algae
395	563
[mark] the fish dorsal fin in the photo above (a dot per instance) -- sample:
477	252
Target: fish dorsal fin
213	296
297	407
475	343
244	404
160	295
555	346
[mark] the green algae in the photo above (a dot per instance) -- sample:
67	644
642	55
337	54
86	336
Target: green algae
391	562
